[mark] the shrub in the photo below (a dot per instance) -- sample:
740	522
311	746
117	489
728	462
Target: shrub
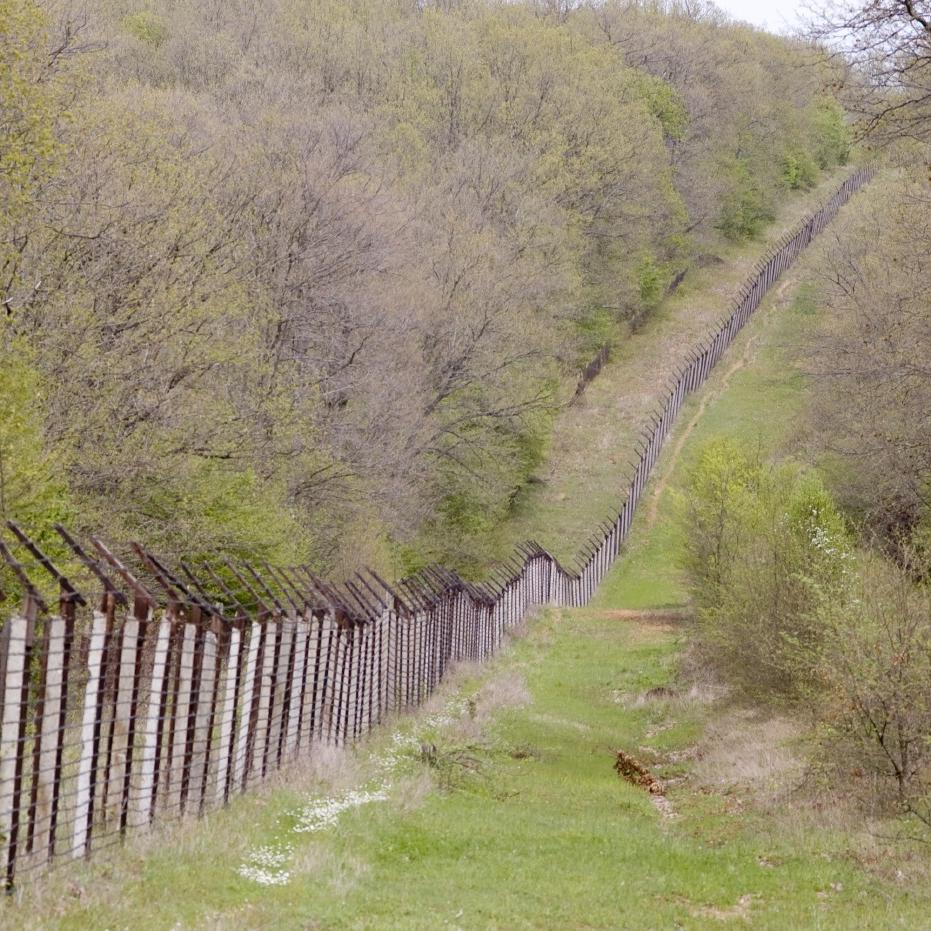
147	27
651	281
746	207
832	134
799	171
786	610
875	674
763	545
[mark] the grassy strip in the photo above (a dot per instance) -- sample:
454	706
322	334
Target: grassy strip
506	812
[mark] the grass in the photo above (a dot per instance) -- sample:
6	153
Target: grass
503	809
543	835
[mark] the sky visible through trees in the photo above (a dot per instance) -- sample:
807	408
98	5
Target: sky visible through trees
775	15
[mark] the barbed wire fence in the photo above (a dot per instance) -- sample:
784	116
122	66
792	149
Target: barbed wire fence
147	692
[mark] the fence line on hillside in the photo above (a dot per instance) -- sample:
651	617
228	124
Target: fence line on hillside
170	690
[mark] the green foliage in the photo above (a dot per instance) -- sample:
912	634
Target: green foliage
478	498
746	206
340	258
147	27
799	171
872	413
787	610
874	683
28	108
763	544
32	490
832	135
206	507
596	328
651	281
665	104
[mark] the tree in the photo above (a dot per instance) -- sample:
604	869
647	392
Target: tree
874	687
29	148
342	259
872	407
764	545
887	46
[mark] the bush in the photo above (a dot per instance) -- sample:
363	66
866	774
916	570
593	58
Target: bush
651	282
786	610
832	135
746	208
799	171
875	676
147	27
763	545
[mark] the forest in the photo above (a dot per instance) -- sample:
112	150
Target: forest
310	279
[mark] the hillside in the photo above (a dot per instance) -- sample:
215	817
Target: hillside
313	285
464	463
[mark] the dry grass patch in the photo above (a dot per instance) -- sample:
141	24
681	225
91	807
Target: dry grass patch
750	750
740	911
505	690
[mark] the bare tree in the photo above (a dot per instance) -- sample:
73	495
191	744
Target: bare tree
887	44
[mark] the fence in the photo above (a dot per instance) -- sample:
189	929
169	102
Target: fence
173	690
591	371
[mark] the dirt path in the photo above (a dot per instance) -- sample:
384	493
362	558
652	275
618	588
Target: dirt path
628	614
747	357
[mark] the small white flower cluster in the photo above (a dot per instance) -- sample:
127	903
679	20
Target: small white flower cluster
821	540
455	709
325	812
401	749
265	865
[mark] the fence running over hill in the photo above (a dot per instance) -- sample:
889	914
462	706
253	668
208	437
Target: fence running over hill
172	690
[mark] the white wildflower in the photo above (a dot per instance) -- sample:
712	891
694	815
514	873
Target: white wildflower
325	813
265	865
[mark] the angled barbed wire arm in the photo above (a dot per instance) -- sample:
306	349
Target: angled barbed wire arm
328	602
69	592
367	610
205	596
171	583
261	607
392	590
382	604
30	591
218	580
284	585
140	592
419	601
344	606
140	606
279	607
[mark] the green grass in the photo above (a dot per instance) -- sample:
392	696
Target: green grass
548	840
755	395
522	822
